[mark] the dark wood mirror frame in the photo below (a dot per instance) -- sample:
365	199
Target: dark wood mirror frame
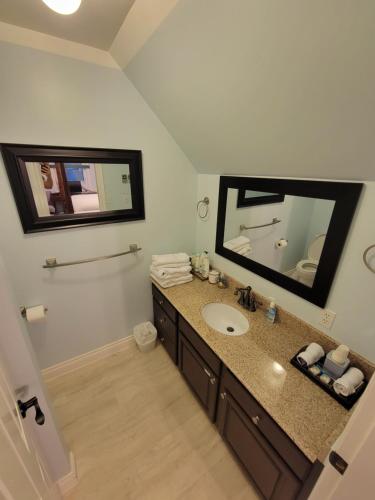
345	195
15	156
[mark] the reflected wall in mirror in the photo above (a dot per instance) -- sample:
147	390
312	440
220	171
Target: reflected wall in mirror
61	187
76	188
287	237
295	241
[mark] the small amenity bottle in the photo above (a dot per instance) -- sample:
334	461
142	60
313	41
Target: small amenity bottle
271	312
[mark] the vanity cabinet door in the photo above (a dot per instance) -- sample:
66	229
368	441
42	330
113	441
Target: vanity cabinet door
202	380
167	331
240	427
268	471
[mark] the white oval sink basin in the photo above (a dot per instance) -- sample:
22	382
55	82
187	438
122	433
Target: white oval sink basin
225	319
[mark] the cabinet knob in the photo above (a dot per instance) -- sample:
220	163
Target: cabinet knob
223	395
161	339
207	372
161	320
161	302
213	380
255	420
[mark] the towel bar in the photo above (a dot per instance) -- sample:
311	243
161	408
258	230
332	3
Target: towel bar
52	261
275	220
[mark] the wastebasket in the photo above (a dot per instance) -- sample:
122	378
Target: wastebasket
145	336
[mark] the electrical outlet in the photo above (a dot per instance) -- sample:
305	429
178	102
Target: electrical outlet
327	318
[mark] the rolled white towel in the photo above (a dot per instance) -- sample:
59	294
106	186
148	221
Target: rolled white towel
349	382
237	243
170	258
310	355
172	282
170	272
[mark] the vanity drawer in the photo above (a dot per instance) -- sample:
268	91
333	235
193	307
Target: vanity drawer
205	352
275	436
164	304
167	331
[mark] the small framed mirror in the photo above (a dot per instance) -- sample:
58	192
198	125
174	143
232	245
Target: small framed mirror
295	235
58	187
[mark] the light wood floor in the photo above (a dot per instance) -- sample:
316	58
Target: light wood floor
138	433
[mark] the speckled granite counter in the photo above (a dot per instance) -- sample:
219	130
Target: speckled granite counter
260	360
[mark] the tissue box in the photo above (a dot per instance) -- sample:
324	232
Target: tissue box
334	369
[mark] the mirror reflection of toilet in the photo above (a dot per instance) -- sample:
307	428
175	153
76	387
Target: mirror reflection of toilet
306	269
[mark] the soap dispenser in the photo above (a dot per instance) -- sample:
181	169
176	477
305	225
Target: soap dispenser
271	311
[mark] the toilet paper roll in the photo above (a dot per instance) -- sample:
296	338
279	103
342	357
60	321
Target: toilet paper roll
282	243
35	313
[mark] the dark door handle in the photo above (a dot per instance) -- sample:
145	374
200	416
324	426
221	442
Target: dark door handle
338	462
24	406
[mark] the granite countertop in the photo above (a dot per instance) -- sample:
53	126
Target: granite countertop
260	360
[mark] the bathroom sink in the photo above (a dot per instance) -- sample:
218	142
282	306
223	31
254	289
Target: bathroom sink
225	319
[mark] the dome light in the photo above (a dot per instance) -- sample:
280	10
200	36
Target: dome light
64	7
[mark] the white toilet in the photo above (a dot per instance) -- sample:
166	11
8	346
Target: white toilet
306	269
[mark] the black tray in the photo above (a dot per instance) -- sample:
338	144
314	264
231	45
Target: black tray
346	402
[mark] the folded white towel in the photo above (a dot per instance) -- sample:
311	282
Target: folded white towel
170	258
244	251
237	243
170	272
172	282
310	355
349	382
171	265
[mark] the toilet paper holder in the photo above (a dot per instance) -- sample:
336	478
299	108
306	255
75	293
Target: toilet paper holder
23	310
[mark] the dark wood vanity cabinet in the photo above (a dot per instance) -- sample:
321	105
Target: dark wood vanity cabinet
276	466
199	366
165	321
274	463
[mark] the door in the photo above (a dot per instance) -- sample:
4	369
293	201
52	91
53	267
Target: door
356	448
167	331
199	377
22	475
268	471
21	379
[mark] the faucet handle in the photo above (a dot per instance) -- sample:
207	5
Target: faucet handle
254	302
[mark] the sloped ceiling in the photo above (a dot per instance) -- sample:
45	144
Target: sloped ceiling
266	87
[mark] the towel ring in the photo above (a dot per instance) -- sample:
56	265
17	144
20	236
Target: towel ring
204	202
365	259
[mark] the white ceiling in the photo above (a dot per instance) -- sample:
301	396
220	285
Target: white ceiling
278	88
96	22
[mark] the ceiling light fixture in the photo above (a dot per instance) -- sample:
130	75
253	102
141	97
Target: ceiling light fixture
64	7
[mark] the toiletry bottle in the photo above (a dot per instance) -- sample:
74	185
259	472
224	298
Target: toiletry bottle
195	262
205	268
271	312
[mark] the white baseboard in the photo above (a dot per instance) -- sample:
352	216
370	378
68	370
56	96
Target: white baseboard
68	482
87	358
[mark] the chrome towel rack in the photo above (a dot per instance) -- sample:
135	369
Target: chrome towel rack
365	259
275	220
52	261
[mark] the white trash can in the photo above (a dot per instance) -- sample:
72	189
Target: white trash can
145	336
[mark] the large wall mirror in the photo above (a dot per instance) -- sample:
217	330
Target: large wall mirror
61	187
291	232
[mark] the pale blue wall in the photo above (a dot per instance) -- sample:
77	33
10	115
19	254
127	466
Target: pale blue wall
48	99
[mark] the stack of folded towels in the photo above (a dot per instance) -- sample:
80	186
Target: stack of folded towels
171	269
240	245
